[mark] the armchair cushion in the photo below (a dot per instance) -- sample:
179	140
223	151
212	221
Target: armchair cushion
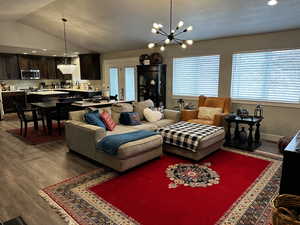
208	113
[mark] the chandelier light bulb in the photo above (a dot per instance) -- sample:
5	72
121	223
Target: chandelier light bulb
173	31
190	28
160	26
272	2
183	45
151	45
162	48
153	30
180	24
189	42
167	41
155	25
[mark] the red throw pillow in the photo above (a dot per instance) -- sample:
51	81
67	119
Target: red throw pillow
106	118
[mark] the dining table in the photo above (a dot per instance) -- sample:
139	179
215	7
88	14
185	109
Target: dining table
46	108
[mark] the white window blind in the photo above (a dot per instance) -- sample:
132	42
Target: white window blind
272	76
194	76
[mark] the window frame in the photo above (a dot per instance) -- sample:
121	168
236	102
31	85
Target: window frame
189	56
261	102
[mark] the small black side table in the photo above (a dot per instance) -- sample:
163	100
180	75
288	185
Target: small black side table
235	140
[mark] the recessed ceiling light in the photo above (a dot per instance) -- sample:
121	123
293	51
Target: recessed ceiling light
25	53
44	49
34	51
76	53
272	2
54	55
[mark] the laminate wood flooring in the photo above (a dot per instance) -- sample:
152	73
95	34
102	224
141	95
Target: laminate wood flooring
25	169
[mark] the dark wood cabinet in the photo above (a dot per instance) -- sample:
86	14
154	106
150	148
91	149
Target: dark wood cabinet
152	83
8	99
9	68
90	66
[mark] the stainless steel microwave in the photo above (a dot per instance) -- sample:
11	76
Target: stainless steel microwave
30	74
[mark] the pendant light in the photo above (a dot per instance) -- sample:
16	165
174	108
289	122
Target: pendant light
172	35
66	68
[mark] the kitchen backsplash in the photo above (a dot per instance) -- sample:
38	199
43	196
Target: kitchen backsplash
25	84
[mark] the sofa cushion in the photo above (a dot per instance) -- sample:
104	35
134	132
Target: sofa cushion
130	118
93	118
144	126
108	121
77	115
140	106
120	129
134	148
208	113
152	115
116	110
164	122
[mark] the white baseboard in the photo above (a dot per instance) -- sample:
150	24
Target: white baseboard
270	137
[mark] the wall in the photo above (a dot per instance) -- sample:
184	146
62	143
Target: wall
279	120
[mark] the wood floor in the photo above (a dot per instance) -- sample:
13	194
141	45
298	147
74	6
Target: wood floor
25	169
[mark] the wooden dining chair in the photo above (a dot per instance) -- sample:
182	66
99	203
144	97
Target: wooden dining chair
25	118
62	111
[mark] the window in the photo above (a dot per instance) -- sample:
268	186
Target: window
194	76
129	84
272	76
114	81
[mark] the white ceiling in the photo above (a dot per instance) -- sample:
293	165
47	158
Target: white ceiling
113	25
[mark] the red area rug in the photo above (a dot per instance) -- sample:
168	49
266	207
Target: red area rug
228	187
35	137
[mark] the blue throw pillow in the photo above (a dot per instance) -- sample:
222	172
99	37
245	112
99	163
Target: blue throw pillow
93	118
130	118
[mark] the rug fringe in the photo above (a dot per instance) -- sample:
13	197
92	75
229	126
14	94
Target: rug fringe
59	210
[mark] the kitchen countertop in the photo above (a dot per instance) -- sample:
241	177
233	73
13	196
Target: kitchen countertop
85	104
52	90
47	93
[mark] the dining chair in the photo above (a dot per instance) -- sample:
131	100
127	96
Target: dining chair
26	118
63	107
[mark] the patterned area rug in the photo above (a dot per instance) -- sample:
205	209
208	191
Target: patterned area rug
228	187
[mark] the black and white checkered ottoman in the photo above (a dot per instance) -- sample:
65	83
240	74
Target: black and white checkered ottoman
192	140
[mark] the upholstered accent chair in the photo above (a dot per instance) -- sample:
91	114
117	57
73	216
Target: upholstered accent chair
216	102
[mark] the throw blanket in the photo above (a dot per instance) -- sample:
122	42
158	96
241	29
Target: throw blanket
187	135
110	144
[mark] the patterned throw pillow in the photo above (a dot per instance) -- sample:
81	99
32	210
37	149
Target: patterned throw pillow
109	123
93	118
208	113
130	118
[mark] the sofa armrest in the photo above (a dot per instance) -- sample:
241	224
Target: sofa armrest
172	115
82	137
219	119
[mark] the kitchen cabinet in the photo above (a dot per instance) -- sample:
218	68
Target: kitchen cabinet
90	66
8	99
9	68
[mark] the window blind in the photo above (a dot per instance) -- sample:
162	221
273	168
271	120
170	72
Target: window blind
272	76
194	76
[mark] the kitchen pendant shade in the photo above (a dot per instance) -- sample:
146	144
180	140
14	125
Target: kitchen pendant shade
66	68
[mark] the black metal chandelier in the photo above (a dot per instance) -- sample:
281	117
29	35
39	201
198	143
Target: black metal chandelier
172	36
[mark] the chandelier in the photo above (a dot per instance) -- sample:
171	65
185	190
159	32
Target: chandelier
66	68
172	36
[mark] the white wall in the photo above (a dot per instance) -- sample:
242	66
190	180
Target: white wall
279	120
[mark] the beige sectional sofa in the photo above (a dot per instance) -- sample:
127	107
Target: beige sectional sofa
82	138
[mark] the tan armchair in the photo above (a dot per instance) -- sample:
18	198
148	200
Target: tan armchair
224	103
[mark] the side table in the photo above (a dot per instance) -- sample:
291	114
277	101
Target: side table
188	114
236	140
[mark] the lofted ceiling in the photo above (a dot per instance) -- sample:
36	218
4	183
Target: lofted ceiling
114	25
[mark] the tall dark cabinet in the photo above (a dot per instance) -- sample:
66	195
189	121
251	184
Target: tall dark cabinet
152	83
